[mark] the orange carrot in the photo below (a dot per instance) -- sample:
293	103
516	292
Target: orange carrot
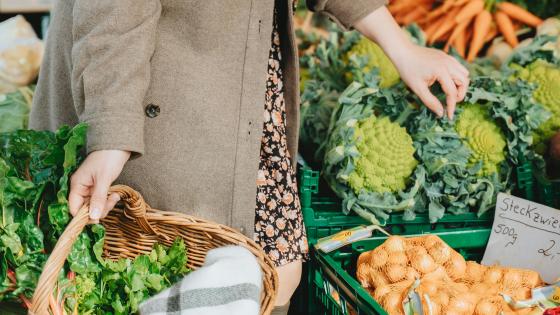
470	10
461	42
492	33
438	12
446	26
432	28
506	28
413	15
482	25
402	5
518	13
456	32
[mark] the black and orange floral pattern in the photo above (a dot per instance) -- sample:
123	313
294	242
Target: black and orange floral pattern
279	225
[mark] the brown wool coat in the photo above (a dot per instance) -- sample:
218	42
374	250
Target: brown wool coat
181	84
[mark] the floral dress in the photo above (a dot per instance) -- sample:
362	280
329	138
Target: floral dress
279	228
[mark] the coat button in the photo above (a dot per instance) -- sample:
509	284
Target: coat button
152	110
242	230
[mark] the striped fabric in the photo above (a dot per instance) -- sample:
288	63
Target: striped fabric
229	282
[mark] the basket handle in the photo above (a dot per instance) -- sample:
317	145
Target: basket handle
135	208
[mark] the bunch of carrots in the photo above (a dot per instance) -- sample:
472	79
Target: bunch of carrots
466	25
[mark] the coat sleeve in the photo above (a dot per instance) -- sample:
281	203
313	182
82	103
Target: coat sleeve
113	42
345	13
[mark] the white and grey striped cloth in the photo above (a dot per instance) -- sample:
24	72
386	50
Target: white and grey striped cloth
229	282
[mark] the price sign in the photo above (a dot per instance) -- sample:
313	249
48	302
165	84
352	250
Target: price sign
525	235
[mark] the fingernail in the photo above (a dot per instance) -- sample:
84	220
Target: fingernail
440	113
95	214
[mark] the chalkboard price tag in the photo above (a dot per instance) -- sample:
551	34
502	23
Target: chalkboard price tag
525	235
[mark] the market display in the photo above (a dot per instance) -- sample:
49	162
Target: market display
34	172
442	279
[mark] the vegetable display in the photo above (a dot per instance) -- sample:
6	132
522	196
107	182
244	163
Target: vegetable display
34	172
439	277
461	165
466	25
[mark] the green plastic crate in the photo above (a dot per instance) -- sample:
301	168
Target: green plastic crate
336	290
533	185
323	215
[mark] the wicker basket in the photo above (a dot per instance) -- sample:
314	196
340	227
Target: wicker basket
134	230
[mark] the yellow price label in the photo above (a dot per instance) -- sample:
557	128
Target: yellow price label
555	297
342	236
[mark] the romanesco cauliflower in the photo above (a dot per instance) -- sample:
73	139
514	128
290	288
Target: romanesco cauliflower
547	77
389	75
386	159
483	136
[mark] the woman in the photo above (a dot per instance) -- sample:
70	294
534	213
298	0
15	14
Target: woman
172	92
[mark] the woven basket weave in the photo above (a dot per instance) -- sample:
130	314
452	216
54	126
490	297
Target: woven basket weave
134	230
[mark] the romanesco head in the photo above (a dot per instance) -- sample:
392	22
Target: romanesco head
386	156
483	136
547	78
376	59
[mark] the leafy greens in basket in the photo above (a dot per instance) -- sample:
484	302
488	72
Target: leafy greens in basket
34	173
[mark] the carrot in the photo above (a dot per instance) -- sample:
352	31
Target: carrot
461	42
430	30
492	32
482	25
506	28
460	28
441	10
413	15
397	7
470	10
518	13
446	26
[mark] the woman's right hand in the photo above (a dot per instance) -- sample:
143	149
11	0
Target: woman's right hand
92	181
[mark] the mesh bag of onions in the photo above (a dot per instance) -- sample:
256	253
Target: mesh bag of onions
445	282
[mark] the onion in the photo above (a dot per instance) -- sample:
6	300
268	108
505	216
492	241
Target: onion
414	251
377	278
397	258
362	274
531	279
431	240
392	303
424	263
522	294
440	274
443	298
364	258
456	266
378	258
493	275
474	272
395	273
411	274
381	291
395	244
486	307
513	278
440	252
430	288
461	305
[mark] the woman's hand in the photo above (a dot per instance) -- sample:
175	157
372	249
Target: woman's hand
422	67
419	67
92	181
